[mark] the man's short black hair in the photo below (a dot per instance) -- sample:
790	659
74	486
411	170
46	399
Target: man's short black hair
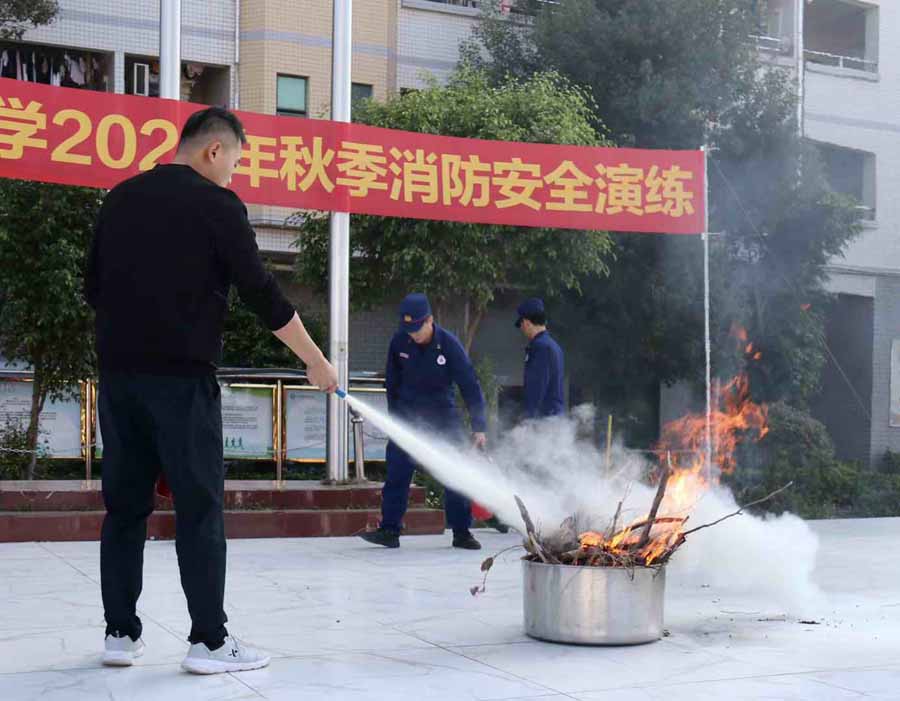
213	120
538	318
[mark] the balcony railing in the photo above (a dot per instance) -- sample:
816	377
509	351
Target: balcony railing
838	61
867	213
506	6
775	45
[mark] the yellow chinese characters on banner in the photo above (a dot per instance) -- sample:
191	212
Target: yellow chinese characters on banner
19	126
98	140
426	177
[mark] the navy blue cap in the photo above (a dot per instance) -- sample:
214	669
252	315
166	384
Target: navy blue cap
414	312
529	307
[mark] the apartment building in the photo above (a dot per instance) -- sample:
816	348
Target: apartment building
846	62
114	46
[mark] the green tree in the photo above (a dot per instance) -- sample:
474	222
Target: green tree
462	266
45	231
660	72
17	16
680	75
247	343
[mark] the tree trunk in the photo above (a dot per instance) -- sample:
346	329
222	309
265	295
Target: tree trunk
468	325
440	313
473	321
38	397
760	311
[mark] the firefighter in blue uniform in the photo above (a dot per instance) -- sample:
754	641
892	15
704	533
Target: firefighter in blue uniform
424	363
544	367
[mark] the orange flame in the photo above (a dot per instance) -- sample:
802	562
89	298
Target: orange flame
734	419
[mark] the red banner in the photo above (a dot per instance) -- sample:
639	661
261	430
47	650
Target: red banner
81	137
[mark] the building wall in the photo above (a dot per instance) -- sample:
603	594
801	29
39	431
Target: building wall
291	37
861	111
125	27
844	402
887	328
294	38
429	37
502	342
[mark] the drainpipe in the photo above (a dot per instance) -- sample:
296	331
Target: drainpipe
237	55
170	49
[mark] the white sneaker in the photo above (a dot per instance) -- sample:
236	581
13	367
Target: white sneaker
122	652
233	656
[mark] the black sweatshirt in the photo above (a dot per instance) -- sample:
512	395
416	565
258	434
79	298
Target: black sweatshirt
167	247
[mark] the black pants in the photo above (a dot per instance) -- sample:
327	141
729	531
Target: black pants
174	424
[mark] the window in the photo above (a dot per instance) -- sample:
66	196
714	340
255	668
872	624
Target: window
56	65
842	35
775	27
291	98
140	81
775	22
851	172
359	91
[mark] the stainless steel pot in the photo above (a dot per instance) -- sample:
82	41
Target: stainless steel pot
593	605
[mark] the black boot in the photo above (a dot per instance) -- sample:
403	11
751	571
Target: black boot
388	539
465	540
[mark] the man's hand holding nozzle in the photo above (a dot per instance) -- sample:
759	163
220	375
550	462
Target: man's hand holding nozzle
322	374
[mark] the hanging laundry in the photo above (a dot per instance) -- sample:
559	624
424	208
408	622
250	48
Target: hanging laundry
56	69
43	70
7	64
76	70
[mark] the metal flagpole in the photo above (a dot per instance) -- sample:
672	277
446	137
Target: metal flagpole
170	49
339	256
706	325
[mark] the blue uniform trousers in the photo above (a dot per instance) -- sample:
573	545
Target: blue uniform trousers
395	495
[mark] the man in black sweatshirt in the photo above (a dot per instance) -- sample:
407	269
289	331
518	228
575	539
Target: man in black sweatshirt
168	245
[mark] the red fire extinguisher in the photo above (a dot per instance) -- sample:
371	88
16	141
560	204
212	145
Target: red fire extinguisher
479	513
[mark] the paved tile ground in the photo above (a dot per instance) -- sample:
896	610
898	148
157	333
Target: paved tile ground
348	621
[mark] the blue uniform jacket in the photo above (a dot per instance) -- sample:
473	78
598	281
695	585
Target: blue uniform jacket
544	370
419	381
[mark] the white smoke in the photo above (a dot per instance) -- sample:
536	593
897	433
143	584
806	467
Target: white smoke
558	474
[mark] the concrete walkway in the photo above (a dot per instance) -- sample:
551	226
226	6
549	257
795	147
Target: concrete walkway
348	621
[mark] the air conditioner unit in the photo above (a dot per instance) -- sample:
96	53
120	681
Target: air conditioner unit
141	80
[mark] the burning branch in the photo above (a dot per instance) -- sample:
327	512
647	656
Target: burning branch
533	544
615	521
660	493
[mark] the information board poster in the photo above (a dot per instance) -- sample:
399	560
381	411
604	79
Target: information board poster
306	432
375	444
305	425
60	422
247	427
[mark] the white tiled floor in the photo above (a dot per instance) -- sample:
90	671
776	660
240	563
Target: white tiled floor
345	621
